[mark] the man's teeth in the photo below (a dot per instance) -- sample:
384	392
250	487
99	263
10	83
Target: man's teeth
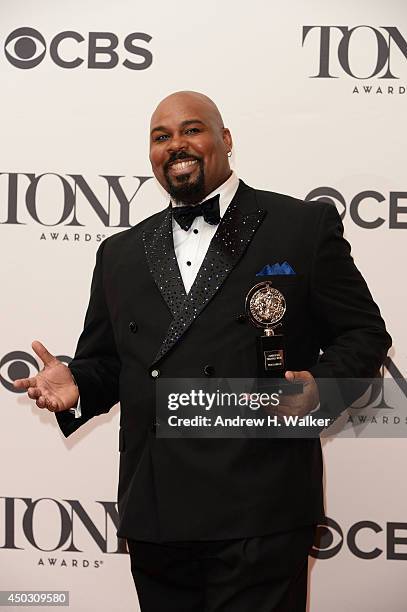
183	164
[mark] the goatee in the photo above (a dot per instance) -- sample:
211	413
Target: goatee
183	190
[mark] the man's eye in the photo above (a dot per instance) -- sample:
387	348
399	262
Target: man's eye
192	130
161	137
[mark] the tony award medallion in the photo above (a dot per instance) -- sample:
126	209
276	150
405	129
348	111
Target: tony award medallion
265	307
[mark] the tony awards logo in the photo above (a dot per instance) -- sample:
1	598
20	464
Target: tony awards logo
265	307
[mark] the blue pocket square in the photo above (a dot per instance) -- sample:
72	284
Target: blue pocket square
276	268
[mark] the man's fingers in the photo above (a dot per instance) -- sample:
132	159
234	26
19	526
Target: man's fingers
25	383
302	376
292	376
41	402
34	392
40	350
47	402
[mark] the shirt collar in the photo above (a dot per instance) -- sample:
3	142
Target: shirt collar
226	193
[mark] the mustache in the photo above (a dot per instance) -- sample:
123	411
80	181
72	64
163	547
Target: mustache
174	157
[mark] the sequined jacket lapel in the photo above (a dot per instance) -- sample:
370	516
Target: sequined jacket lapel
232	238
163	265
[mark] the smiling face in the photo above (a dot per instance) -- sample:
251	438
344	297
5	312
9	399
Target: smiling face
189	146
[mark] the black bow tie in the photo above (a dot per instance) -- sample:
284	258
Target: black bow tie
185	215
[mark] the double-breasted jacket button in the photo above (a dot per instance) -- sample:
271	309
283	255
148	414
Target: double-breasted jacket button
133	327
241	318
209	370
155	373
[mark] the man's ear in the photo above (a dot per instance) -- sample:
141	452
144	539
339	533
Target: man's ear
227	139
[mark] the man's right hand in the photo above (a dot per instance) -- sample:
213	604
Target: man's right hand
54	387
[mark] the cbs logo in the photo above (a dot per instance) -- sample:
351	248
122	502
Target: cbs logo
365	539
18	364
26	48
368	209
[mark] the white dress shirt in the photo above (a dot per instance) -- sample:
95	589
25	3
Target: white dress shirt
191	245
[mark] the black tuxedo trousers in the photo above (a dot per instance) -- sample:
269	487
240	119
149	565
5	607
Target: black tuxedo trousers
266	574
140	326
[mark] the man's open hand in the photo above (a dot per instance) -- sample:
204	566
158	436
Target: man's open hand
54	387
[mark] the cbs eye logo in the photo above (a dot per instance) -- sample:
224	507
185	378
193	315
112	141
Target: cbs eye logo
328	540
26	48
18	364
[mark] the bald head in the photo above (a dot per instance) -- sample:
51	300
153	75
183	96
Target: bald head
180	98
189	146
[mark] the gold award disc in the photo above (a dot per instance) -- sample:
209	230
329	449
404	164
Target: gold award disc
265	305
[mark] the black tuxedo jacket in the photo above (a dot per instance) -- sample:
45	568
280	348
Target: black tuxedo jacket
140	319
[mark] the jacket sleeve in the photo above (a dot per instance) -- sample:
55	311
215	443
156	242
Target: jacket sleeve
352	334
96	365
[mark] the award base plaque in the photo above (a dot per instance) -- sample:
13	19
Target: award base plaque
270	355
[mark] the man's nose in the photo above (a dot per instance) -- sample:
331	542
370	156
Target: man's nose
177	143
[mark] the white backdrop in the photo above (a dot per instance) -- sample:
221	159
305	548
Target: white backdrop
292	134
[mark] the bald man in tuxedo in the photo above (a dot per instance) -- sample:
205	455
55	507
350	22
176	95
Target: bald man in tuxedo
214	524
